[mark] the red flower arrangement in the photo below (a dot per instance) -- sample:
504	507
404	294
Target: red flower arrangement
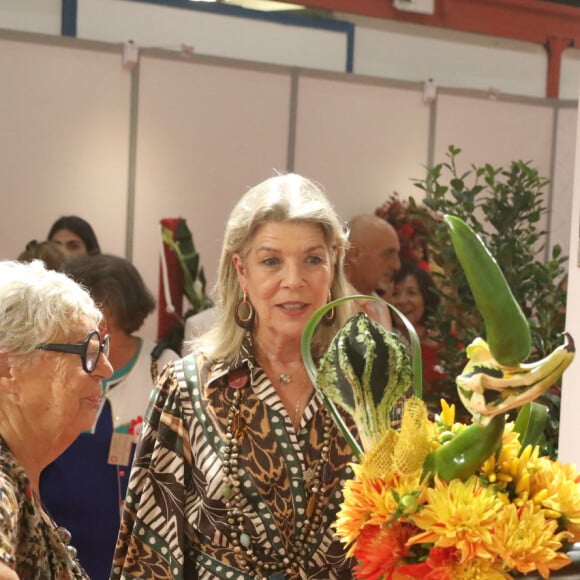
412	230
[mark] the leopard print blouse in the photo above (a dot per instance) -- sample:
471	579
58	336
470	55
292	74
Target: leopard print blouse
30	542
176	523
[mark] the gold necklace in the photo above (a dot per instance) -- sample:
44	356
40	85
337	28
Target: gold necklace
296	418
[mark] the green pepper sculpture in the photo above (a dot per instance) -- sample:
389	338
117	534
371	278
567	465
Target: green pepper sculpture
506	327
495	379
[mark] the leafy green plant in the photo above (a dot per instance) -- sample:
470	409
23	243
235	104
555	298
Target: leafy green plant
505	207
194	281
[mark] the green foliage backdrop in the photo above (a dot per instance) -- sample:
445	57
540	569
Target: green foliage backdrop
505	206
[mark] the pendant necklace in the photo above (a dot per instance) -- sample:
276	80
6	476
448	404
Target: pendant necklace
286	379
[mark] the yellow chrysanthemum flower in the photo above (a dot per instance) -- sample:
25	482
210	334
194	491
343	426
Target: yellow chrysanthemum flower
501	469
526	541
556	487
373	500
459	514
511	470
479	570
444	428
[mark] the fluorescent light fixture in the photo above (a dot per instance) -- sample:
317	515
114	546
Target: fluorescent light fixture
263	5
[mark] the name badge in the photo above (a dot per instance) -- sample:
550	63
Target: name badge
120	449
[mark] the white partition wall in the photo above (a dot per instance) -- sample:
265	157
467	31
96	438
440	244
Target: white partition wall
64	140
187	135
206	133
563	177
402	50
32	15
569	448
232	32
362	139
494	131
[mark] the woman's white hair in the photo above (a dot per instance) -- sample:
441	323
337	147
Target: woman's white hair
283	198
39	305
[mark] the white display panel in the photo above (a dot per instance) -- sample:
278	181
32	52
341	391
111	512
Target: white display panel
362	140
205	135
64	142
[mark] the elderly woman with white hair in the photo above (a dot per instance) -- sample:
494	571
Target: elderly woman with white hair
240	468
52	359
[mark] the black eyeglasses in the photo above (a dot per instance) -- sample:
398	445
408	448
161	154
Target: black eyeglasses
89	350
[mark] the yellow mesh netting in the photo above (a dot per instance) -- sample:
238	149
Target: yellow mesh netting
402	451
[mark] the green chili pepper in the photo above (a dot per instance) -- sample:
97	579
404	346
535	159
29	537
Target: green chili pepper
507	331
509	340
466	452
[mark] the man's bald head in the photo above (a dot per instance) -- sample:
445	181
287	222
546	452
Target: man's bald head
373	256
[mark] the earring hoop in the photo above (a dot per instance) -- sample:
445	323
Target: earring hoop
244	313
328	318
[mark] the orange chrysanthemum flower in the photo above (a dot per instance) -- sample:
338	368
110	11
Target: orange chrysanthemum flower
373	501
381	550
525	540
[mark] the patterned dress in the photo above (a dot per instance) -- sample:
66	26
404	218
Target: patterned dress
30	542
181	518
83	490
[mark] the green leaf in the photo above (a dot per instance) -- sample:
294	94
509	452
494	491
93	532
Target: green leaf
193	277
530	423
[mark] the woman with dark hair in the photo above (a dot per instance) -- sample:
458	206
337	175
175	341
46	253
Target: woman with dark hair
75	234
84	489
415	295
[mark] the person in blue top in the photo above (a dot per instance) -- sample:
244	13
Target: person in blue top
84	488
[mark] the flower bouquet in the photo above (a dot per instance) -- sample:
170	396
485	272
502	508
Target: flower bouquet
412	229
432	498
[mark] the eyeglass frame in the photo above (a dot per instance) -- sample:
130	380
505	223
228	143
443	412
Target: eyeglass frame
80	348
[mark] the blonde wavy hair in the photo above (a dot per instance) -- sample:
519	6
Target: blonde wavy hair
283	198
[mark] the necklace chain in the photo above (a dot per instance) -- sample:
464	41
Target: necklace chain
296	418
316	479
63	534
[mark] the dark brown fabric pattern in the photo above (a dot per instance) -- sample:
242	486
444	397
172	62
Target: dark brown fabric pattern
176	523
30	541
